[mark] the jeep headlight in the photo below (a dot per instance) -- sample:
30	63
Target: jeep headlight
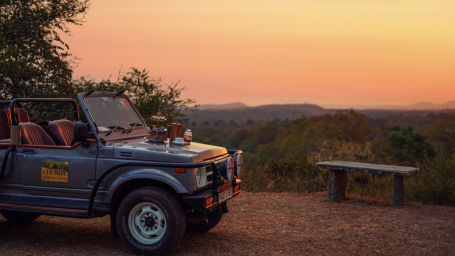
200	176
238	161
227	169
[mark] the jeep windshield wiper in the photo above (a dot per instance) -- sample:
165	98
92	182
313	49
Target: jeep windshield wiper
132	126
116	127
112	128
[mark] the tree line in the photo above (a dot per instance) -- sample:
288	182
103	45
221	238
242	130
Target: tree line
280	155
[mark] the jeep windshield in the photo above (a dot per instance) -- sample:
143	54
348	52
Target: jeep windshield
115	117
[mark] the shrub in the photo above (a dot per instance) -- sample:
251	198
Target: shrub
290	175
435	182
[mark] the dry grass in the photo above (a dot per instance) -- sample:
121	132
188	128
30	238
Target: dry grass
264	224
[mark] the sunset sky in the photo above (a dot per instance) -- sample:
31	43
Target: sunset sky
329	52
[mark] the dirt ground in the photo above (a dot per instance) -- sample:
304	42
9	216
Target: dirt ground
264	224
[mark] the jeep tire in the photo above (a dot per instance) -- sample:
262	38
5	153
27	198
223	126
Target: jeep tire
203	225
150	221
20	217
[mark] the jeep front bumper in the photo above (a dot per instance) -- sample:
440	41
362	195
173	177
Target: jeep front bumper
210	199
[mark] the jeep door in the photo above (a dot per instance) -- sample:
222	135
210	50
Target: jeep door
59	174
10	182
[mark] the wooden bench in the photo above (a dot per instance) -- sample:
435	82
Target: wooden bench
338	177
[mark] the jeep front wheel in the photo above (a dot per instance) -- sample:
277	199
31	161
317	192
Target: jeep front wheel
150	220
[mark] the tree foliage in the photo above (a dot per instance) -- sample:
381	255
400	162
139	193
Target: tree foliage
407	145
36	62
34	59
148	94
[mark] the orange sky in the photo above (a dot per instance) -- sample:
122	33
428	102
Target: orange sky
328	52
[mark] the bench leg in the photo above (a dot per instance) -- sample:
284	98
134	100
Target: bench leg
398	191
337	185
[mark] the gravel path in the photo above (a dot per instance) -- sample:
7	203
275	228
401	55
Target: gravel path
263	224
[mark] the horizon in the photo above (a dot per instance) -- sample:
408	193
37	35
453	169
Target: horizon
341	106
343	53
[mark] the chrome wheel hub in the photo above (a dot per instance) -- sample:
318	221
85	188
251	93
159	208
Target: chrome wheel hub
147	223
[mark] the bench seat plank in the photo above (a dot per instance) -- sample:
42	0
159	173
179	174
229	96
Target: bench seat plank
367	167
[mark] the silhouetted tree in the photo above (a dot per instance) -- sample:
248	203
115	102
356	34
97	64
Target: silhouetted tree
34	60
149	95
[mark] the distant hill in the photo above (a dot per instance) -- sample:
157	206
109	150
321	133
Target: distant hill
418	115
258	113
223	106
423	105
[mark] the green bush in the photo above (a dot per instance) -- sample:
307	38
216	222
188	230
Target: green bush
286	176
435	182
407	145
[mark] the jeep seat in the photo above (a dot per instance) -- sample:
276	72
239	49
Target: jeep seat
22	115
5	121
33	134
4	124
62	131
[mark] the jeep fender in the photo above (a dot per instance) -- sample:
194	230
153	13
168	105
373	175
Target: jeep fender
147	174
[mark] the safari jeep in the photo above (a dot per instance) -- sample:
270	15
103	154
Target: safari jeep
102	161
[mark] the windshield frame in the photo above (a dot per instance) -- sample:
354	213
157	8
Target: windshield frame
116	134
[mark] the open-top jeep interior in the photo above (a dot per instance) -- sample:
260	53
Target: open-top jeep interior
38	126
56	122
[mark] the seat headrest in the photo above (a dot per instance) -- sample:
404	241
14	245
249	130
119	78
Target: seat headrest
22	115
80	132
4	124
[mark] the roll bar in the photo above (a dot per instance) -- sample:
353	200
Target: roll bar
14	119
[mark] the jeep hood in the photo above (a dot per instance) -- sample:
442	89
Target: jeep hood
155	152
